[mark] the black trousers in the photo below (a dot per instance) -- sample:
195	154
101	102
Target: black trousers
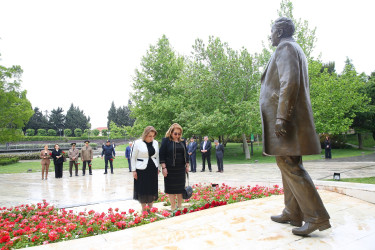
302	201
328	153
219	160
59	169
207	156
193	162
129	163
71	163
108	159
84	167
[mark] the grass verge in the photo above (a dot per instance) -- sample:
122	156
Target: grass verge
233	155
365	180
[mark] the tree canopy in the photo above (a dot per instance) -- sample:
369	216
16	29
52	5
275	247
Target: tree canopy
15	108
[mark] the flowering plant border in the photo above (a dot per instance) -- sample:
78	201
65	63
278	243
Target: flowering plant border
42	223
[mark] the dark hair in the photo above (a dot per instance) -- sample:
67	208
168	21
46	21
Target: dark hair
286	24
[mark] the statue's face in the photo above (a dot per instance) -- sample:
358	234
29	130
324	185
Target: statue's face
275	36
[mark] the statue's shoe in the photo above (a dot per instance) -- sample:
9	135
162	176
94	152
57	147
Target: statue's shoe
283	218
309	227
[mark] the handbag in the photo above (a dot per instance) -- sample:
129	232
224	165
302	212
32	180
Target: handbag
188	191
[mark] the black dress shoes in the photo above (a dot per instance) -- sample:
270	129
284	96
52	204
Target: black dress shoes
309	227
202	170
283	218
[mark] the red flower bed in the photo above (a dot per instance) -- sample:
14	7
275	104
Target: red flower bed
37	224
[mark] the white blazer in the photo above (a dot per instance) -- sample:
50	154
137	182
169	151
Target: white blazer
139	155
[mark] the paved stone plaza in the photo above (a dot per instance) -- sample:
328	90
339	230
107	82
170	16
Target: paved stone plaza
242	225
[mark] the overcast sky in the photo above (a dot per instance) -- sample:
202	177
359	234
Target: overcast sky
85	52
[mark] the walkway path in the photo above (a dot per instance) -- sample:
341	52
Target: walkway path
237	226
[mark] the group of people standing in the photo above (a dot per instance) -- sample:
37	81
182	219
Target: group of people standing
173	159
59	157
205	149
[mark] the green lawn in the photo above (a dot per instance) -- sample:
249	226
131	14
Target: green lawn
368	141
233	155
22	167
366	180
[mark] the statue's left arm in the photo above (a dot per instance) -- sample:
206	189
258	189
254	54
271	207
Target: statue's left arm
288	67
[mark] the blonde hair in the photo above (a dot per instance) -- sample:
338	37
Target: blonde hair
148	130
171	129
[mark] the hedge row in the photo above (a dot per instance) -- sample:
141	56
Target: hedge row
41	146
25	156
65	139
8	161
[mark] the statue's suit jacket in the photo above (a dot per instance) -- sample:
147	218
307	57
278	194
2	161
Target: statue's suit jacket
285	94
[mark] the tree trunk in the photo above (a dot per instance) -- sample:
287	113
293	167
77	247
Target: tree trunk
373	135
245	147
360	143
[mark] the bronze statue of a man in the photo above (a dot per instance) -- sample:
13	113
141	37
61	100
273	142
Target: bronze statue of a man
289	130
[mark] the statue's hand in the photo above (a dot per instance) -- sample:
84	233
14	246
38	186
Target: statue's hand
280	127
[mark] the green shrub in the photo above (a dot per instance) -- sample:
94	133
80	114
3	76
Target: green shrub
8	161
30	132
105	132
42	132
51	132
78	132
68	132
96	132
57	138
25	156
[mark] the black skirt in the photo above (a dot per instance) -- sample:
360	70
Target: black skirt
174	183
146	186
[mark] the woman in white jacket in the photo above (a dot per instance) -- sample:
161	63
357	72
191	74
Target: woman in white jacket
145	168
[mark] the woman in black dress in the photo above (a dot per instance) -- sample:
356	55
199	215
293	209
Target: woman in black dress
58	160
174	161
327	147
145	162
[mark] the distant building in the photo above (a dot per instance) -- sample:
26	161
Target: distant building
101	129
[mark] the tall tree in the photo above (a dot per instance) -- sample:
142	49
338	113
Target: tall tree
225	86
336	98
123	116
112	114
15	108
76	118
57	119
365	121
155	100
37	121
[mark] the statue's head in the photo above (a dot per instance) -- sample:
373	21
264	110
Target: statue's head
283	27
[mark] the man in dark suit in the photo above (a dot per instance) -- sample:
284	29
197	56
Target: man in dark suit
192	147
206	153
127	154
109	154
289	130
219	156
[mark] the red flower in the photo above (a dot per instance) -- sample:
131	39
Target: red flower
50	153
185	210
111	159
89	230
35	238
207	206
178	213
4	239
53	235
